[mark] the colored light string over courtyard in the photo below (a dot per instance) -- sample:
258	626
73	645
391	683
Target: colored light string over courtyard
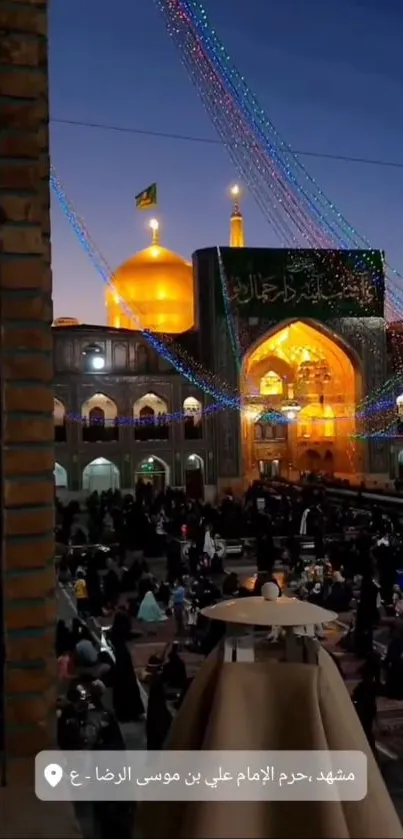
188	25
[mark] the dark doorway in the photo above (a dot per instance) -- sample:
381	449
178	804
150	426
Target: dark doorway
194	477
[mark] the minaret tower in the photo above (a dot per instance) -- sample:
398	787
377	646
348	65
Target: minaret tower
237	237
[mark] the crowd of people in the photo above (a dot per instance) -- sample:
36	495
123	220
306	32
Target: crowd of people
354	568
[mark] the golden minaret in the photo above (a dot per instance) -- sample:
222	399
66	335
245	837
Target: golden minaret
237	236
155	231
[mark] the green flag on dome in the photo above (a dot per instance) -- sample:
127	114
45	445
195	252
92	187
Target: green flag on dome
147	199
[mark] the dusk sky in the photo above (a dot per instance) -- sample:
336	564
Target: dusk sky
329	75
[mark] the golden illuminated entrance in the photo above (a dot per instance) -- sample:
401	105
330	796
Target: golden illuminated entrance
299	394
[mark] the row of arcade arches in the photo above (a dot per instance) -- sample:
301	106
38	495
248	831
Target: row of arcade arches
101	475
101	407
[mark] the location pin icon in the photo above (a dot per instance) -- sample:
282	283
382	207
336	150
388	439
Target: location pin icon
53	774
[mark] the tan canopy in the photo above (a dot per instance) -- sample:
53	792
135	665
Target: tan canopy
271	705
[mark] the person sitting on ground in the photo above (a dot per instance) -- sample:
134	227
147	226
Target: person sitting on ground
149	611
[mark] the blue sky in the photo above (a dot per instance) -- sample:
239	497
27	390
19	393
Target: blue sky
328	74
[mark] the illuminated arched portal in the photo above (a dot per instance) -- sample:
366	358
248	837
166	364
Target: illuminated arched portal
153	470
301	373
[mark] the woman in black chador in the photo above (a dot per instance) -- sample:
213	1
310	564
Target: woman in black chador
159	717
127	702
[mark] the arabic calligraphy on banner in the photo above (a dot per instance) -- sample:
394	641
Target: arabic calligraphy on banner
319	284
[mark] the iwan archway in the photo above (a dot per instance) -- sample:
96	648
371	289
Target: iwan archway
300	387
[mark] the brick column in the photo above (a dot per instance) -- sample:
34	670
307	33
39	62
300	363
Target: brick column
27	398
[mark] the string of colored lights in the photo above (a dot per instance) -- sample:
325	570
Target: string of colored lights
239	139
274	416
231	328
175	27
195	52
195	13
216	98
184	17
242	157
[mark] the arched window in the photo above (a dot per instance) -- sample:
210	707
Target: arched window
194	476
120	356
150	418
193	413
311	461
96	416
147	413
271	384
101	475
142	358
59	417
152	470
94	358
258	431
100	419
60	475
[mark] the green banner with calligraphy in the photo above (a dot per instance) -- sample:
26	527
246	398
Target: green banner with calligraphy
279	283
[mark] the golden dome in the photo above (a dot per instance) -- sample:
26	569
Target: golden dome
157	286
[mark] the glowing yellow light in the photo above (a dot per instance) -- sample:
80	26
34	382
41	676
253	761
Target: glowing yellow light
271	384
235	190
319	378
157	285
251	412
282	337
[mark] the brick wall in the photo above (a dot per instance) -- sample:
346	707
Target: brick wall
26	371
